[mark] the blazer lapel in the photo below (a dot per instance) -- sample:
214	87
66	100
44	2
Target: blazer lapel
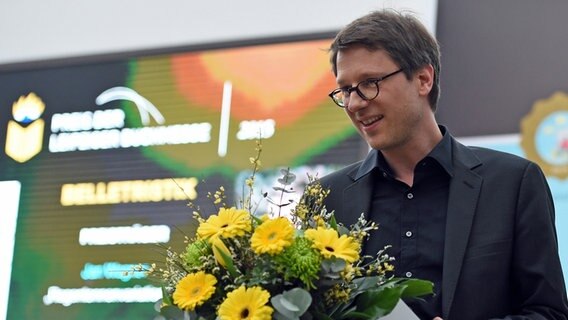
357	195
462	202
357	199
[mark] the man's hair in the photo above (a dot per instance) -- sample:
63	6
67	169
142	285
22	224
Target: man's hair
401	36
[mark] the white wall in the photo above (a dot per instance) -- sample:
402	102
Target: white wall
32	30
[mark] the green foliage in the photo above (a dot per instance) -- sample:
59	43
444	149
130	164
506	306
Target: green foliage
291	304
193	253
300	261
379	301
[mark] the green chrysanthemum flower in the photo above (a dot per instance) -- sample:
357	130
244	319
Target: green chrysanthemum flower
300	261
193	252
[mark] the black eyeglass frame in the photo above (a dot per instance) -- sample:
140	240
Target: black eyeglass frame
356	88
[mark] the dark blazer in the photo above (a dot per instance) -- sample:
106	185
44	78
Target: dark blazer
500	254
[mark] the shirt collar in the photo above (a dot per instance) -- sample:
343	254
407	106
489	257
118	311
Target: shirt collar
442	153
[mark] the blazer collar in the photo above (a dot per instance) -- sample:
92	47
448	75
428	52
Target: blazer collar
366	166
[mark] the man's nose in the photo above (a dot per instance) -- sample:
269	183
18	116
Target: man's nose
355	102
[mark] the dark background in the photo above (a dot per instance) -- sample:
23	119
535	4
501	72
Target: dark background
498	58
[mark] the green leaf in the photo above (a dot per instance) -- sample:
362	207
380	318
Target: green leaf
416	288
380	301
171	312
166	299
333	222
365	283
229	265
257	219
291	304
357	315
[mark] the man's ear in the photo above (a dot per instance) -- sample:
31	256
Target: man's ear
425	77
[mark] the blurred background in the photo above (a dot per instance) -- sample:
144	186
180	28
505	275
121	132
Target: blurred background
113	115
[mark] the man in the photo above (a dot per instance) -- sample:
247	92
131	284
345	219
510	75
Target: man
477	223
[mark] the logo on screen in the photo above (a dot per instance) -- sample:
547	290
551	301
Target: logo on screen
24	136
545	135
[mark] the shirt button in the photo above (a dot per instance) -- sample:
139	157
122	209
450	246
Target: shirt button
384	174
410	196
408	274
408	234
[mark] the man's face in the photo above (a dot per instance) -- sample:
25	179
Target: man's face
393	120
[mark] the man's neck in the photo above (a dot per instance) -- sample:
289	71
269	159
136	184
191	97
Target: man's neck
403	160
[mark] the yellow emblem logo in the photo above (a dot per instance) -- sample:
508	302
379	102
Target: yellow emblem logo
544	135
24	136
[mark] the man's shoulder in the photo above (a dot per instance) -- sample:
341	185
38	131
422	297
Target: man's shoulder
499	163
342	174
491	156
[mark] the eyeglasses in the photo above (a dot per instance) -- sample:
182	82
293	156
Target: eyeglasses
367	89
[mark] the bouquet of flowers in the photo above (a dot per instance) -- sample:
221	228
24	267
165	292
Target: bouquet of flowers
241	265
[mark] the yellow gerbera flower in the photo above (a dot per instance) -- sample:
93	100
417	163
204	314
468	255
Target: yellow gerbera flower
194	289
272	236
228	223
329	244
243	303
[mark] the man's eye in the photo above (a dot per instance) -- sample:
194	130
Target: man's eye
368	83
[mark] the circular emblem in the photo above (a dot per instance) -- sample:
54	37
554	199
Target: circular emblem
544	135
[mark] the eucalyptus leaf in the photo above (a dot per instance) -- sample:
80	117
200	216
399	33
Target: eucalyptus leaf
282	189
172	312
338	265
333	265
158	305
342	230
289	305
300	298
292	304
280	307
287	178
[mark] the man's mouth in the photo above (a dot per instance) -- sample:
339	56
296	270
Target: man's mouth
370	121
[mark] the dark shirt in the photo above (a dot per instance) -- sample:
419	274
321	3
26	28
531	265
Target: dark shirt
412	220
